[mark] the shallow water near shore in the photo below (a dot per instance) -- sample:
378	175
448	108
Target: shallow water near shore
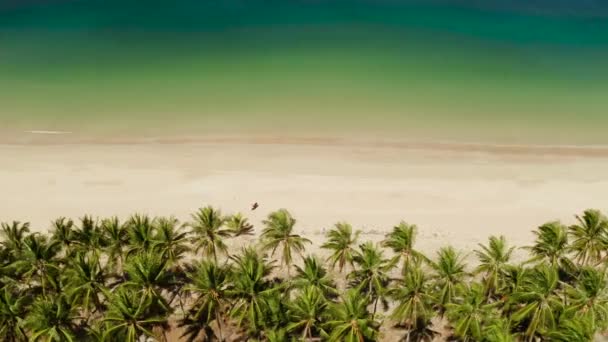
407	71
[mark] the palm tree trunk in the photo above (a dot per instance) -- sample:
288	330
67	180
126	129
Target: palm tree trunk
218	320
375	307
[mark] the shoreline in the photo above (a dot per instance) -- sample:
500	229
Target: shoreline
54	138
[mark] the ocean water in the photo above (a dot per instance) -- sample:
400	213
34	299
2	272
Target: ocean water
498	72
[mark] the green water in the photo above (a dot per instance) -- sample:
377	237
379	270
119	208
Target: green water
411	71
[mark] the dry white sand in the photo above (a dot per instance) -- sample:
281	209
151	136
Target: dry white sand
456	197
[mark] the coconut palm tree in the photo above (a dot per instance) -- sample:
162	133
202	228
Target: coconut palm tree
147	272
551	243
63	232
52	319
573	329
498	330
210	284
342	241
312	273
239	225
449	272
251	290
493	259
38	260
209	232
539	305
278	234
89	237
85	282
589	298
141	231
371	276
349	320
13	236
13	307
401	242
590	237
116	238
130	316
414	304
469	312
170	241
306	313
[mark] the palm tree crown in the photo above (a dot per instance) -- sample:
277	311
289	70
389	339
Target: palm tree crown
278	234
342	241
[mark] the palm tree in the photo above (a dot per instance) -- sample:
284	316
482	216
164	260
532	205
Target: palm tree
209	232
52	319
349	320
538	302
342	241
314	274
414	304
13	307
39	260
469	312
130	315
170	240
573	329
251	290
210	283
449	273
64	233
372	275
147	272
278	233
306	313
141	231
589	298
590	237
498	330
239	225
89	237
401	241
13	236
551	243
116	238
85	282
493	260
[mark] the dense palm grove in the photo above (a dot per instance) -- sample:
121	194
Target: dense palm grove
146	277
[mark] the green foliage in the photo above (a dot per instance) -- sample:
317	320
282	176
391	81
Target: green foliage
251	290
470	312
551	243
314	274
100	280
350	321
278	234
371	277
414	300
589	237
210	285
52	319
209	232
493	260
341	241
449	273
130	315
401	242
538	301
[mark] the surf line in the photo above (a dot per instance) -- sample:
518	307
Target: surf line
48	132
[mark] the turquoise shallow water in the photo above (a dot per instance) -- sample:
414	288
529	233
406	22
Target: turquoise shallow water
526	73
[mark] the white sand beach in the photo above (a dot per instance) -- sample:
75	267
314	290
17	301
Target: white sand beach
455	196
